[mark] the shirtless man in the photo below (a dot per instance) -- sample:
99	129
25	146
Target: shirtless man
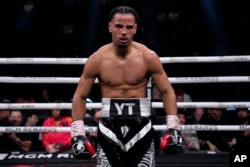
123	68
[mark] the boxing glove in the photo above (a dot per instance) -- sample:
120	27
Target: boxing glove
82	147
171	142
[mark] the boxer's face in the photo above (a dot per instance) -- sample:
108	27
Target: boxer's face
123	28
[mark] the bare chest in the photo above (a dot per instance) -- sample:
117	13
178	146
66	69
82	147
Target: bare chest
123	72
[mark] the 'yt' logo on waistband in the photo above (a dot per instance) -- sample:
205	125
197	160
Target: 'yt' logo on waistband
120	107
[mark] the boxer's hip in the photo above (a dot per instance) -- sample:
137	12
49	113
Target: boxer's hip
125	121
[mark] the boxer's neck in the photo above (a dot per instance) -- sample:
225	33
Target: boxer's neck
122	52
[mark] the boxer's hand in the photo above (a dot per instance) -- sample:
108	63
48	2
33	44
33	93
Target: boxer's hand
171	142
82	147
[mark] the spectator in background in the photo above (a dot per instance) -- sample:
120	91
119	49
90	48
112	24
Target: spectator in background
218	140
190	138
199	116
241	140
32	119
16	141
182	96
60	141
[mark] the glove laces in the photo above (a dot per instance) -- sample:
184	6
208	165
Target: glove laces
172	122
77	128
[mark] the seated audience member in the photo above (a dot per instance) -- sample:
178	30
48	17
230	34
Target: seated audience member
59	141
241	139
189	137
16	141
32	119
199	117
218	140
182	96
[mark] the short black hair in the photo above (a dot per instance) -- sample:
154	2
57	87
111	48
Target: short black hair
181	111
124	10
242	108
32	112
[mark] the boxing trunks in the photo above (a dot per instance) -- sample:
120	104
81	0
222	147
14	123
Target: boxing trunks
125	134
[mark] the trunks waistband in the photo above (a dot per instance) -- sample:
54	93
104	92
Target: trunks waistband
115	107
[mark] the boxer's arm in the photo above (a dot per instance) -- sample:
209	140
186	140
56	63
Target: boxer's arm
162	83
171	142
82	147
83	88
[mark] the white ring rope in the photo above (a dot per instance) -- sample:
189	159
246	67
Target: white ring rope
177	80
80	61
46	106
201	127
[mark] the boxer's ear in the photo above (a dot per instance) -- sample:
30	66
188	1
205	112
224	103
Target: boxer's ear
110	27
135	28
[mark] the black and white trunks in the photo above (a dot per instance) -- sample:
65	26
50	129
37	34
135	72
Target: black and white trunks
125	134
125	121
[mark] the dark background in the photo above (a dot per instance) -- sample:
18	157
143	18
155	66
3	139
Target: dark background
76	28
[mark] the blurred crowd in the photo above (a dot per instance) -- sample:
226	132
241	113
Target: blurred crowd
193	140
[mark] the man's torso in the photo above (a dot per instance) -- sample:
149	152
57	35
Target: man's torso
123	76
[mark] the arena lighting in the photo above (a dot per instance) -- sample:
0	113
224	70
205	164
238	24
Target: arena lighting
209	9
28	6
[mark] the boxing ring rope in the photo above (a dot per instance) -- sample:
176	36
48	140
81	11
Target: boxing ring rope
81	61
200	127
177	80
72	61
46	106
